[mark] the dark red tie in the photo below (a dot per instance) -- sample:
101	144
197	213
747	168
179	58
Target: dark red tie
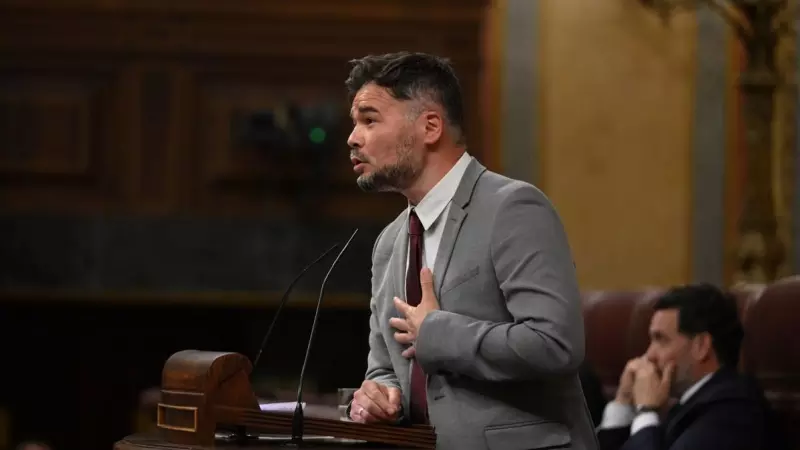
419	401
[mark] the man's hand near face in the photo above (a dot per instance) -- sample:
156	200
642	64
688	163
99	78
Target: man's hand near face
625	389
374	402
651	388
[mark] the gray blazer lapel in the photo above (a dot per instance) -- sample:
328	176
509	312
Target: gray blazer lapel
397	266
451	228
455	218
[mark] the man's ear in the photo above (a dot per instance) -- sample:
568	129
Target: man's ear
433	125
702	347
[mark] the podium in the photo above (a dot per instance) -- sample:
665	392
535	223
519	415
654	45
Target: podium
207	402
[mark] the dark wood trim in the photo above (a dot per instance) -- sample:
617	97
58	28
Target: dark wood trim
250	299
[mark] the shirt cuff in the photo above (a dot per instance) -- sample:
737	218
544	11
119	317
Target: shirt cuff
617	415
644	420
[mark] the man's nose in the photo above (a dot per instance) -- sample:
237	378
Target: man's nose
354	140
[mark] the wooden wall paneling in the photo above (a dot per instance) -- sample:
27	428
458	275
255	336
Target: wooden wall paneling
47	127
236	176
238	179
131	104
439	11
57	125
165	59
164	33
158	128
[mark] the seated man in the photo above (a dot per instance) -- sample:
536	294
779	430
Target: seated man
695	337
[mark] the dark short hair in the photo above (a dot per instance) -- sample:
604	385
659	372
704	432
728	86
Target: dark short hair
410	76
34	442
704	308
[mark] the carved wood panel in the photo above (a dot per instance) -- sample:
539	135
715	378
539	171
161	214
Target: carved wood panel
59	144
47	127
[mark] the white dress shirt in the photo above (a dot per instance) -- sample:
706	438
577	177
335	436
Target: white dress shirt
618	415
434	206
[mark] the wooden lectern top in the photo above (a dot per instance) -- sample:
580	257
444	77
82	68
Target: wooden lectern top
206	395
154	442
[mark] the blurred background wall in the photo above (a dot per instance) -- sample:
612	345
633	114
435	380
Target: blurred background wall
633	124
166	168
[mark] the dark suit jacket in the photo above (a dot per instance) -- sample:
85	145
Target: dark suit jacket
727	413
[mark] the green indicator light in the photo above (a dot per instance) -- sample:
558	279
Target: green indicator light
317	135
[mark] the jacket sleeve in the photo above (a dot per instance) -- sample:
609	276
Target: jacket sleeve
613	438
648	438
725	427
536	274
379	363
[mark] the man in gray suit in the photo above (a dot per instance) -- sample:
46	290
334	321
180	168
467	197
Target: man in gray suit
476	324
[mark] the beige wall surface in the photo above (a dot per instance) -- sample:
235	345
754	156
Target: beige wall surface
615	138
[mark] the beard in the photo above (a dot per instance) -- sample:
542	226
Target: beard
394	177
681	379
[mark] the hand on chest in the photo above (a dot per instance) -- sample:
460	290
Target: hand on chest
457	252
466	288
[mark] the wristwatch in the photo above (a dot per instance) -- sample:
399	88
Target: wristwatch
641	409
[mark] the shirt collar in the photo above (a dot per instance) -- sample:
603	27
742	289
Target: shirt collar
436	200
694	388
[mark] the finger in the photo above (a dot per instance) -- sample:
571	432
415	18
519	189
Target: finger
395	396
404	338
666	377
637	363
366	417
355	411
400	324
402	307
359	399
377	403
365	386
410	352
426	283
360	414
645	368
631	367
627	377
372	410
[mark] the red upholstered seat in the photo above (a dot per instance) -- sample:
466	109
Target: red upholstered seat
639	328
746	296
772	350
607	318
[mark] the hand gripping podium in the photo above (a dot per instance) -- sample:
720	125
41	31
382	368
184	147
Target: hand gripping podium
207	394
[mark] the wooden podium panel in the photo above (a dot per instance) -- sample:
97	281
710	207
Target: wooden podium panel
207	402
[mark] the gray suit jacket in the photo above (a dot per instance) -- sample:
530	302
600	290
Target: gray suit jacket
502	354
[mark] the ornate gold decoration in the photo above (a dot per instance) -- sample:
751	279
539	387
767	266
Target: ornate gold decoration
766	29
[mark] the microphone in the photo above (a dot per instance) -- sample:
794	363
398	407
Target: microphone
283	302
297	417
